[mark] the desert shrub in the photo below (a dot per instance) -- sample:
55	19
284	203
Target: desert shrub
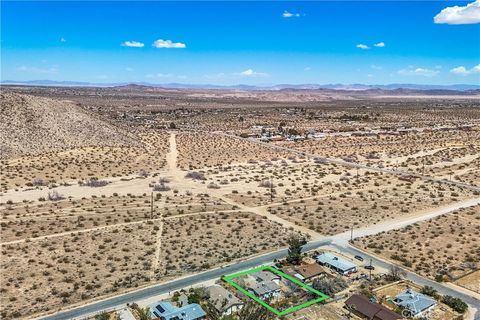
94	182
430	291
330	286
163	180
455	303
55	196
143	173
161	187
266	184
195	175
39	182
213	185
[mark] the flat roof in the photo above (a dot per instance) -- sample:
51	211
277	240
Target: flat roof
333	260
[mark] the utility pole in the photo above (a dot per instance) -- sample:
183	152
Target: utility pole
370	270
271	190
351	235
151	208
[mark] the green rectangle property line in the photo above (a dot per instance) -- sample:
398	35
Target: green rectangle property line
229	280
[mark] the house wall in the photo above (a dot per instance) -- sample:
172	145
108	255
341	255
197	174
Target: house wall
232	309
425	312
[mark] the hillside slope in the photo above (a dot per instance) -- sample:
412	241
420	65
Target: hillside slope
34	125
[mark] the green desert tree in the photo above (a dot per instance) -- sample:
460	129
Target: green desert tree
102	316
144	314
295	243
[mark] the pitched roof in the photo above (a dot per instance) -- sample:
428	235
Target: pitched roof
414	301
309	270
266	276
371	310
222	299
259	286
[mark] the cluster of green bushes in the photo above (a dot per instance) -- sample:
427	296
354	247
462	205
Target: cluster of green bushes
455	303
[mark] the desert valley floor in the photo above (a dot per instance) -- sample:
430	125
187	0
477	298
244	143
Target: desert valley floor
104	190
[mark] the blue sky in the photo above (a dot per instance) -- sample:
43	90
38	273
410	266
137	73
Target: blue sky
372	42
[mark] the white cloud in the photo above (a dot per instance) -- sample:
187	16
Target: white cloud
62	39
128	69
470	14
164	76
461	70
380	44
159	75
133	44
362	46
168	44
219	75
287	14
50	70
252	74
411	71
376	67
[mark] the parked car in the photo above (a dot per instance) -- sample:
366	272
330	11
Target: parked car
359	258
369	267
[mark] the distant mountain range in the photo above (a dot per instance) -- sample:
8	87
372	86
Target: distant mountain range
340	87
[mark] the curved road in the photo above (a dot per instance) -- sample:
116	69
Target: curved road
339	241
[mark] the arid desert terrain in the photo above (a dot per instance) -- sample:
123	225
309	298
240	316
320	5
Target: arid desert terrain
104	190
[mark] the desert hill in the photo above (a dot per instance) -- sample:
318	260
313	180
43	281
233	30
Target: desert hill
33	125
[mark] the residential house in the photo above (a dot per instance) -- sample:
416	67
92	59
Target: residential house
416	303
166	311
305	272
223	300
338	264
263	284
362	307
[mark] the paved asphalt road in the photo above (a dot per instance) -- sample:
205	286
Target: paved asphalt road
141	294
121	300
443	290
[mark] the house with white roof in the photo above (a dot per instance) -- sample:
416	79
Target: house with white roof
338	264
418	304
164	310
